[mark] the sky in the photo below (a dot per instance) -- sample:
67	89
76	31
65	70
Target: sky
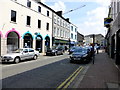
88	19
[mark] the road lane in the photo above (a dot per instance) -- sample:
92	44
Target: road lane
12	69
48	76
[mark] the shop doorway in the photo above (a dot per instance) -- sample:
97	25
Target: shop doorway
47	42
12	41
28	40
39	41
118	48
0	44
113	47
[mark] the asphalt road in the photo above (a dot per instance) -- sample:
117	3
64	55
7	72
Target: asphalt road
46	72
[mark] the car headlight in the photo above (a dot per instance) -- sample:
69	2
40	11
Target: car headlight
85	55
53	50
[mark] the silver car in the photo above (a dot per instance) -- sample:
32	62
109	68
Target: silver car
20	54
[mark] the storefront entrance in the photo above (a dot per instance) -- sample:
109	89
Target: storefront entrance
39	43
12	41
28	40
113	47
0	44
47	42
118	48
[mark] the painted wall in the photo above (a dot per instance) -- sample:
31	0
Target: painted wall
6	25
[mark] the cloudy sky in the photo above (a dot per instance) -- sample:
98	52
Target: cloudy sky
88	19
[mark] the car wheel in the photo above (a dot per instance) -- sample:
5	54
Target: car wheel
35	57
17	60
55	54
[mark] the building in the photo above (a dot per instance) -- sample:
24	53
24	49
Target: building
73	34
33	24
113	34
98	39
80	39
61	29
25	22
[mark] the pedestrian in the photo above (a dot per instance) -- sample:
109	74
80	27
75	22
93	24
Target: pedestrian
26	46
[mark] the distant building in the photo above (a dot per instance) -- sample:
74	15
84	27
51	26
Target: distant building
61	29
80	38
73	34
99	39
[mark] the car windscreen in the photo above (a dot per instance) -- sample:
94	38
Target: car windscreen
18	51
81	50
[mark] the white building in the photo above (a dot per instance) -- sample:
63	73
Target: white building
61	29
73	34
24	22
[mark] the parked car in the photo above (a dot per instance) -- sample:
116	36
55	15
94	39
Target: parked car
80	55
71	50
20	54
54	51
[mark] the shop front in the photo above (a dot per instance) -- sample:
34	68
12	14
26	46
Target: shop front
12	40
28	40
118	48
39	42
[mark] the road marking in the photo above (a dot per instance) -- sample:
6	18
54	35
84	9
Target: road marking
70	79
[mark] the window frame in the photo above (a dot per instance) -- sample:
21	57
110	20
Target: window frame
28	23
13	17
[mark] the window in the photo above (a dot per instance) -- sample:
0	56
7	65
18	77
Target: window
47	13
28	20
71	36
39	23
31	50
13	16
39	9
28	3
58	32
47	26
75	30
72	28
75	36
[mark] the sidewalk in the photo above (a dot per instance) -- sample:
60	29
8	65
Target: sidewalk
102	74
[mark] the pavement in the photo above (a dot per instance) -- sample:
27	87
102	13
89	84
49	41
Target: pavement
102	74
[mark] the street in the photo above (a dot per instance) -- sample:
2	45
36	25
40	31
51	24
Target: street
45	72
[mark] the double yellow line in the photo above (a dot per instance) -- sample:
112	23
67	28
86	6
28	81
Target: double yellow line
70	79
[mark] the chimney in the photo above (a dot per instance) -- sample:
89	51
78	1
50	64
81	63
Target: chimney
67	19
59	13
38	1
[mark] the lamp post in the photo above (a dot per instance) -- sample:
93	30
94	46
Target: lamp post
93	48
69	44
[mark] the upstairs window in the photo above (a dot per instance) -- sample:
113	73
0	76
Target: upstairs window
71	36
72	28
39	9
13	15
75	30
47	13
28	3
39	23
47	26
28	20
75	36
